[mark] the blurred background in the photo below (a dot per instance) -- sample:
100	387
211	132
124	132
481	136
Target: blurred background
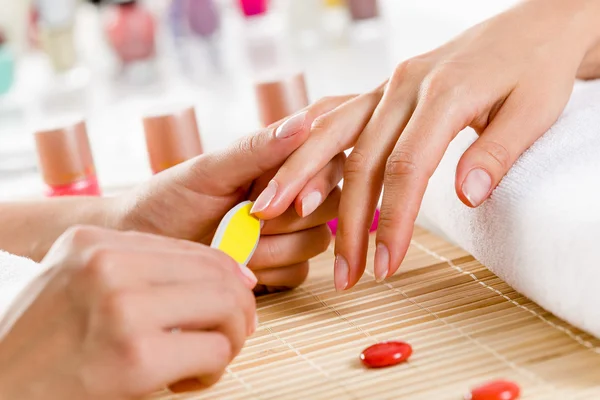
133	70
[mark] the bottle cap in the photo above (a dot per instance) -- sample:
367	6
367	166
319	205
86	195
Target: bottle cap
172	138
64	154
280	98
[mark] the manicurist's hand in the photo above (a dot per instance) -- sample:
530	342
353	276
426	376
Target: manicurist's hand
189	200
120	315
509	78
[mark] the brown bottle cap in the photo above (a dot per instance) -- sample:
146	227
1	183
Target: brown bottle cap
172	138
278	99
64	154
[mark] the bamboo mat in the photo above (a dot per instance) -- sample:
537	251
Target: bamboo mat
466	327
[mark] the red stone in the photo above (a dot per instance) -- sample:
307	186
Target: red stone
385	354
496	390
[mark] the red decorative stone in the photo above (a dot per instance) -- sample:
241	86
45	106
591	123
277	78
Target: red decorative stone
496	390
385	354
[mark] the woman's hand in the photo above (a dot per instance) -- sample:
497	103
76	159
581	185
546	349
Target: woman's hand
509	78
120	315
189	200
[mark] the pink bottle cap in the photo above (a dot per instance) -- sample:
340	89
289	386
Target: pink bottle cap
252	8
172	138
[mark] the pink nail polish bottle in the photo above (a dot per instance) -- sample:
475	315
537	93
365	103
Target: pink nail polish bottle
172	138
130	29
251	8
66	161
363	9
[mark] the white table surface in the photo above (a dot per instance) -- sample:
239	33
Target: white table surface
227	112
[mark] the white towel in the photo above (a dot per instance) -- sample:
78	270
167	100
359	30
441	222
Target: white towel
15	273
540	230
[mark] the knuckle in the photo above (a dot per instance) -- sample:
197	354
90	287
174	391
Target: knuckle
356	164
321	125
400	164
99	265
323	239
496	152
118	310
80	235
136	354
442	83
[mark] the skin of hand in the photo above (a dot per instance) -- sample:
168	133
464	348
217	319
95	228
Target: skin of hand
509	78
189	200
118	315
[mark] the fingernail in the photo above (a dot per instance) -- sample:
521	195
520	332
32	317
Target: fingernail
382	262
254	325
310	203
248	276
341	271
291	126
265	198
476	186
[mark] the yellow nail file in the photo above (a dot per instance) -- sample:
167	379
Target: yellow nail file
238	233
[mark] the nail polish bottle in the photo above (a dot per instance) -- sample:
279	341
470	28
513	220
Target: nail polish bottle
171	138
66	161
195	25
336	20
252	8
7	65
130	29
56	25
280	97
363	9
305	22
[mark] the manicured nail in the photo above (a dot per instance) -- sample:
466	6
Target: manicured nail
291	126
476	186
265	198
341	271
382	262
310	203
254	325
248	276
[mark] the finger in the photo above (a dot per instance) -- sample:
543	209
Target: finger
133	268
437	119
363	177
162	359
288	277
291	248
511	132
256	154
318	187
212	305
290	221
330	135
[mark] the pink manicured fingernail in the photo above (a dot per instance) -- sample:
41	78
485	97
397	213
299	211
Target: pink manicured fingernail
265	198
341	271
248	275
310	203
476	186
291	126
382	262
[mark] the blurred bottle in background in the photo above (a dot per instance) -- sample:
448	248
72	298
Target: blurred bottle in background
7	65
56	26
131	31
66	161
195	29
363	9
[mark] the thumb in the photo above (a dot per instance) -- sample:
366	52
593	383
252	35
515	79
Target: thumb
250	157
511	132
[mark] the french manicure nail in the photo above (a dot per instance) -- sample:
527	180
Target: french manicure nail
291	126
476	186
341	271
248	275
265	198
310	203
382	262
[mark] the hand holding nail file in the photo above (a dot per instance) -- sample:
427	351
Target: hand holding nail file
238	233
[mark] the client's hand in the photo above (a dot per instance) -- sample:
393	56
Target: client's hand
120	315
189	200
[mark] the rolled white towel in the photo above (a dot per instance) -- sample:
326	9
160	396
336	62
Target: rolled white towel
540	230
15	273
